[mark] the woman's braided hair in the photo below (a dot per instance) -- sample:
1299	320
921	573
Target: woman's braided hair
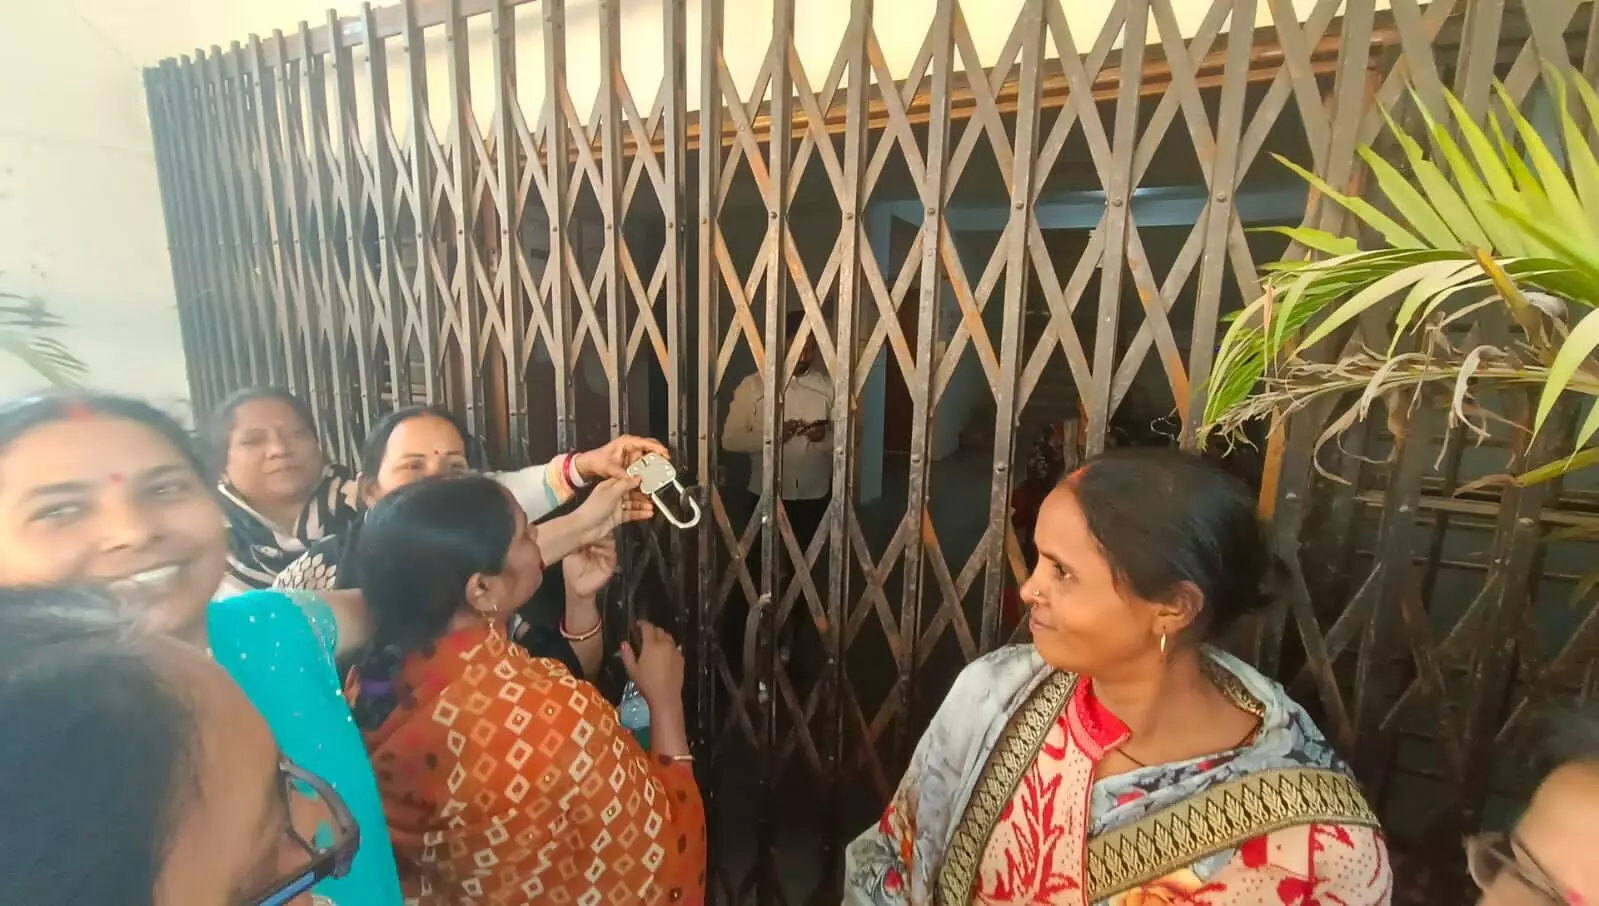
419	548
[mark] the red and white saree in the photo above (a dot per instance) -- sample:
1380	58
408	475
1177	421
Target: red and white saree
1000	806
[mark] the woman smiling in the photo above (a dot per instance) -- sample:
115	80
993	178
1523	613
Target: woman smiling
107	491
1051	767
282	496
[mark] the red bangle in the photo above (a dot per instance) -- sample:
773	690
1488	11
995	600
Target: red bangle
569	471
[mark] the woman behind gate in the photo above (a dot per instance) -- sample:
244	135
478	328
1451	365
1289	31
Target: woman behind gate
418	442
282	496
1119	759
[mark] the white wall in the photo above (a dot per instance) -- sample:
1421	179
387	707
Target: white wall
80	213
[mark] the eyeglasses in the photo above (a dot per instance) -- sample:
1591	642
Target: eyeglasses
1495	859
331	847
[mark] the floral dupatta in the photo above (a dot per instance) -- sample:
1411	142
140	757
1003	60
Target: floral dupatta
999	805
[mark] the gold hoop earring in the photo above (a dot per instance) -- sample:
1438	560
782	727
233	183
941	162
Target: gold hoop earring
1163	643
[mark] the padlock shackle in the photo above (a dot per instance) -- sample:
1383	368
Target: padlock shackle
669	516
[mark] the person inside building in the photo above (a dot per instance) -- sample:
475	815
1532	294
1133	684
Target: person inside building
281	494
504	777
107	491
807	475
1119	724
419	442
805	485
1548	857
196	806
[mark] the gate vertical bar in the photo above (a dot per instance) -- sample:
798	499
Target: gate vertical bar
559	164
158	86
330	312
361	314
424	292
1350	87
260	249
674	110
386	203
291	142
1118	191
708	323
203	293
226	351
1024	190
846	360
463	174
779	155
240	216
920	385
1219	213
269	170
611	207
508	170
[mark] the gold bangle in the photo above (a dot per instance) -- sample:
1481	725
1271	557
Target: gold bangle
582	636
677	759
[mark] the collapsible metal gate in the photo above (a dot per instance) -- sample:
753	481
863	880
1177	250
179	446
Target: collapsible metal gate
558	278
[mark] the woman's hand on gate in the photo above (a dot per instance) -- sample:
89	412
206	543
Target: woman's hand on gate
613	502
657	669
612	460
588	568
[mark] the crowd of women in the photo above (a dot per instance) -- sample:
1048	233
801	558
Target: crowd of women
250	676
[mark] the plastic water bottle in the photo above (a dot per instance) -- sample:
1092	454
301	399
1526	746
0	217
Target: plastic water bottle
634	712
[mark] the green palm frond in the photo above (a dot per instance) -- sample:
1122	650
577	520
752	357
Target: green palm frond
24	326
1492	216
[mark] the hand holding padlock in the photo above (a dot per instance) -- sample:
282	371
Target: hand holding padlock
656	474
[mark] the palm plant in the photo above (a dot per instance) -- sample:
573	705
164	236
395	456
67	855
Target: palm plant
24	321
1514	230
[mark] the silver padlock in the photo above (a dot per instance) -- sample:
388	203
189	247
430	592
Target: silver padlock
656	474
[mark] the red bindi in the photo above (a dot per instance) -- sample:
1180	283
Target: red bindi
116	477
77	410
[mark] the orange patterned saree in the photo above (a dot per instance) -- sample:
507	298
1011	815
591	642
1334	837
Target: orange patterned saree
507	780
